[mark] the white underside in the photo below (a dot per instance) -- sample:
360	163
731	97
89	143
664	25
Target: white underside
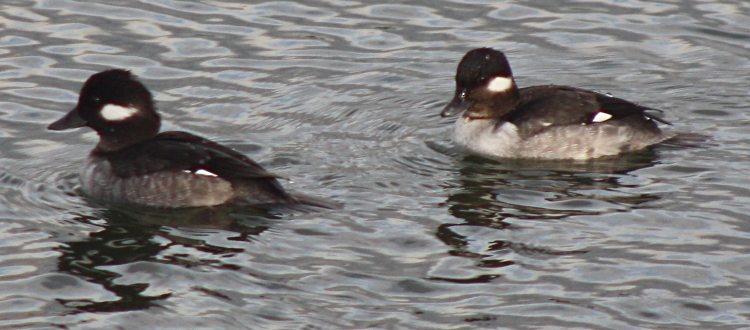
491	139
483	137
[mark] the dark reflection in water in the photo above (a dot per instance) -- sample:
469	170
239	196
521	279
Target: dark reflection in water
571	187
128	236
491	192
340	96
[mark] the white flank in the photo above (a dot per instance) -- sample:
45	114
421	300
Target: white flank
204	172
115	112
600	117
499	84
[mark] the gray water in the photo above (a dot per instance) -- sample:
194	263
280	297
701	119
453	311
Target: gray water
342	98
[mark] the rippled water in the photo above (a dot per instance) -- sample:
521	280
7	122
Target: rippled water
343	98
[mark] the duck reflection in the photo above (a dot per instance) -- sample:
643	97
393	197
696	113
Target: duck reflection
528	189
133	235
490	193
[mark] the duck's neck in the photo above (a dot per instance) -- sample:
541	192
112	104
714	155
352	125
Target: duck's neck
117	138
494	106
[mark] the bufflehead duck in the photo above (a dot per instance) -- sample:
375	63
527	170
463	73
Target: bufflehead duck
135	164
545	122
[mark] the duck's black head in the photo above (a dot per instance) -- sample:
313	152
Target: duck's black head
485	87
117	106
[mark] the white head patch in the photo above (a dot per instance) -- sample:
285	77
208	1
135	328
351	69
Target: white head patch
499	84
600	117
114	112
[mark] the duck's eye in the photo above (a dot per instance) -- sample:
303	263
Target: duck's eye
96	99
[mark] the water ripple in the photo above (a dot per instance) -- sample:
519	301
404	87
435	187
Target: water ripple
343	98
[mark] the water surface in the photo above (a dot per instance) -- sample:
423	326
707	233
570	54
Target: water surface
343	97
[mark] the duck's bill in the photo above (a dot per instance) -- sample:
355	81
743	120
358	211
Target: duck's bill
456	106
71	120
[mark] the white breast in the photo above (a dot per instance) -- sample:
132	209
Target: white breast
607	137
487	137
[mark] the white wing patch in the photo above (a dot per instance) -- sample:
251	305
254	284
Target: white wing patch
499	84
114	112
204	172
600	117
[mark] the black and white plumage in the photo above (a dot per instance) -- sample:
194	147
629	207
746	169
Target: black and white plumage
134	164
500	120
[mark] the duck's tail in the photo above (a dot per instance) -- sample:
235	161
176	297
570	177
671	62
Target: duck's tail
307	200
